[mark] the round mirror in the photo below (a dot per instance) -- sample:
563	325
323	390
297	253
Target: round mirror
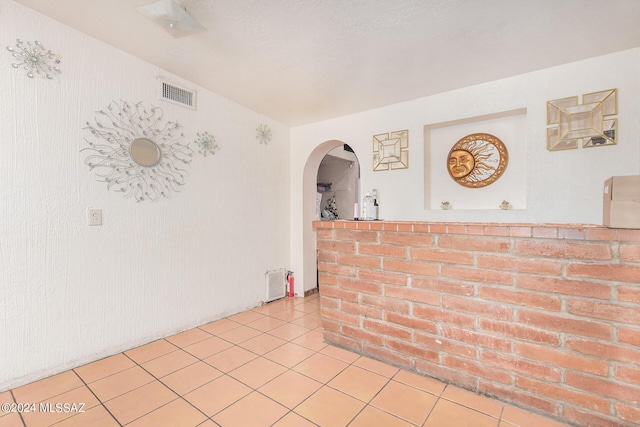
145	152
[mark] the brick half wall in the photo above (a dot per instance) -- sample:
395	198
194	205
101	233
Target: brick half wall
543	316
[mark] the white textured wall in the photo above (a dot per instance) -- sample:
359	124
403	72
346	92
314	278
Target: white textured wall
70	293
561	187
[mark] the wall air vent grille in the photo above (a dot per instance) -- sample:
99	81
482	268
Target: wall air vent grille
276	284
178	95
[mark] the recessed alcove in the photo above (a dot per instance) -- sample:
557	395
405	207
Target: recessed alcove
511	128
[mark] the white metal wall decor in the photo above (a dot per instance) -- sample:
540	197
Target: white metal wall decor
391	150
263	134
35	59
590	121
135	152
207	143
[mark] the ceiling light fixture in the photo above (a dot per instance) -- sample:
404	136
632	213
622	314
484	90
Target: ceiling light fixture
173	17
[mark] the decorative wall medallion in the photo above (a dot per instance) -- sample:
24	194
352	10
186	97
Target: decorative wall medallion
263	134
207	143
477	160
391	150
35	59
589	122
135	152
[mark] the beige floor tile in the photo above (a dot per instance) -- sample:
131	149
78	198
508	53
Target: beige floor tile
429	385
171	362
473	401
257	372
150	351
373	417
289	354
219	326
262	343
5	397
288	314
308	308
11	420
123	382
42	390
506	424
189	378
175	413
254	410
359	383
104	367
239	334
96	416
208	423
405	402
521	418
376	366
312	340
216	395
78	399
293	420
290	388
447	413
139	402
320	367
189	337
246	317
266	324
311	321
208	347
288	331
329	407
231	358
340	354
273	307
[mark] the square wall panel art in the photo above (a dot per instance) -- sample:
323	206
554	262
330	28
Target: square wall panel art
391	150
590	122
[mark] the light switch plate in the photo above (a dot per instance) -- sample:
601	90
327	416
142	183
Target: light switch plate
94	216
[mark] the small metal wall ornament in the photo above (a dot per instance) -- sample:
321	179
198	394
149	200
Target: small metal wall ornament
35	59
207	143
135	152
263	134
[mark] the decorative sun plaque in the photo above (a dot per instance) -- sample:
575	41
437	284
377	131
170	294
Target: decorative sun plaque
391	150
590	122
477	160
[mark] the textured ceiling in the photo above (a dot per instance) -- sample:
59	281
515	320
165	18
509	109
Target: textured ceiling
302	61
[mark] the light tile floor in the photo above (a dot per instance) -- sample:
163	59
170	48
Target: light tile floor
264	367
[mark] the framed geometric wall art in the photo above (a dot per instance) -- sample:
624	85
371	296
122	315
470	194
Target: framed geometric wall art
590	122
391	150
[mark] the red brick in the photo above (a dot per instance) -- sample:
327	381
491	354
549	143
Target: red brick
563	286
480	339
376	226
604	350
523	298
629	335
559	392
383	277
477	369
382	250
339	316
564	250
444	316
629	235
405	227
412	350
522	399
362	335
520	332
481	244
438	228
590	419
389	356
359	286
329	302
561	358
520	231
356	235
330	291
359	261
342	341
414	295
406	239
411	267
456	229
446	286
629	293
387	329
628	375
526	367
600	310
325	256
327	279
612	272
571	233
435	255
361	310
477	275
630	253
477	230
565	324
336	246
443	373
420	228
389	226
330	325
494	311
508	263
340	270
600	233
604	387
438	343
544	232
394	305
324	233
413	323
498	230
628	413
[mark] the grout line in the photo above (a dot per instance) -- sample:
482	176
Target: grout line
24	424
97	398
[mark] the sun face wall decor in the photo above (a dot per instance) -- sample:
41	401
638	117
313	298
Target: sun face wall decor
589	122
477	160
391	150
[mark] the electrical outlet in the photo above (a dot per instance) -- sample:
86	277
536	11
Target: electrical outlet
94	216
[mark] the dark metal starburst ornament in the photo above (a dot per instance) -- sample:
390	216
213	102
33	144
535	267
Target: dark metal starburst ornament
35	59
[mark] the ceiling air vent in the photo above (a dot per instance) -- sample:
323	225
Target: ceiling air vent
178	95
